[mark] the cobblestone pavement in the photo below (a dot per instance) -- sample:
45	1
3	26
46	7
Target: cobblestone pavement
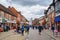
11	35
33	35
49	32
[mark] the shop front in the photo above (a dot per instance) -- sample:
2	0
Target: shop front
2	21
11	24
57	21
57	14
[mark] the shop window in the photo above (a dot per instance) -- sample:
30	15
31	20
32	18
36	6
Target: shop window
2	12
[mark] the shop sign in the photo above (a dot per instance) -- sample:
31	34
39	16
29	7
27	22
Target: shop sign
3	20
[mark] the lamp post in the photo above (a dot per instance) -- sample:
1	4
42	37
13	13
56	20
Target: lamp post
45	13
54	9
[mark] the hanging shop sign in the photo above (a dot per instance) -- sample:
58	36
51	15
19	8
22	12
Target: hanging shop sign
3	21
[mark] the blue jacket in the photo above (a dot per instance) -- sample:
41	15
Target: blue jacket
22	28
27	27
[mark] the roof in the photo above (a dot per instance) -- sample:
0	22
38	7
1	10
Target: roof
23	16
13	9
6	10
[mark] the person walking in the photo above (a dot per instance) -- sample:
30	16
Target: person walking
52	28
40	28
56	30
0	28
5	28
18	29
15	28
33	26
22	29
8	28
27	28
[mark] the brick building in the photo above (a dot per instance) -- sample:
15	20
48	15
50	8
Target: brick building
20	18
5	16
54	14
42	21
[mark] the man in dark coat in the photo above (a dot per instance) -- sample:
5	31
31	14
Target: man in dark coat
40	28
52	28
22	29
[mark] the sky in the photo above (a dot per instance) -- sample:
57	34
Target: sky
29	8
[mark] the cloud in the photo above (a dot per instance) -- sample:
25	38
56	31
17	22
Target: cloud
29	8
4	3
32	2
31	12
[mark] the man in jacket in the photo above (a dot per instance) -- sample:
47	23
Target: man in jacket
40	28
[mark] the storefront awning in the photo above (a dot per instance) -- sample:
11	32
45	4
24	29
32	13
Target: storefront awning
57	19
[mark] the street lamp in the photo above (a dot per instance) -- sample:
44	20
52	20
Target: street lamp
45	13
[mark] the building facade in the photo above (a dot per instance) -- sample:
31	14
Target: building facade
57	14
20	18
5	16
42	21
54	14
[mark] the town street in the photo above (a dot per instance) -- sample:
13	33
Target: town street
33	35
11	35
21	19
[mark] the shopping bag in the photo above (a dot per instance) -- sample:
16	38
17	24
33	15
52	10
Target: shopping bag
56	31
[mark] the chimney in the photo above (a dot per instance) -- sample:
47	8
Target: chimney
10	7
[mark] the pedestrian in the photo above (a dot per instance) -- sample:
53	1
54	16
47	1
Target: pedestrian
33	26
27	27
1	30
8	28
14	28
56	30
5	28
52	28
22	29
40	28
18	29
